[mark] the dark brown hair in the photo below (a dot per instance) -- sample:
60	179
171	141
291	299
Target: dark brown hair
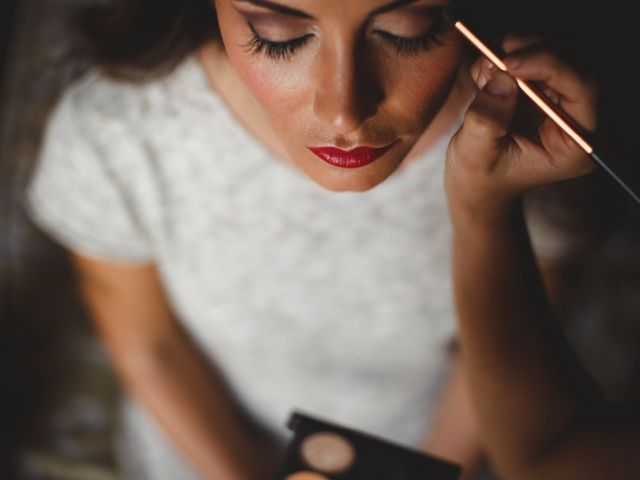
138	40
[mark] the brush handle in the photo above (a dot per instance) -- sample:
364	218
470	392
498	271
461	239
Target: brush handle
627	188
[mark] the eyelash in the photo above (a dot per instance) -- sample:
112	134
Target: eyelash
413	45
406	46
275	50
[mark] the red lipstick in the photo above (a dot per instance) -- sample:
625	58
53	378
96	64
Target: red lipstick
358	157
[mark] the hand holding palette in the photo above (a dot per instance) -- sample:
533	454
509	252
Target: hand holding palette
324	451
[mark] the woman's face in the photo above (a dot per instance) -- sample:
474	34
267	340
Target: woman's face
343	74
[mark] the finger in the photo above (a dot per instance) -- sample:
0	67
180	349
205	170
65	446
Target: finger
539	64
565	154
577	94
551	94
481	71
514	42
475	71
486	122
536	166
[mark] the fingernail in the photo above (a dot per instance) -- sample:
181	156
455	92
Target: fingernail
501	85
481	81
512	63
488	64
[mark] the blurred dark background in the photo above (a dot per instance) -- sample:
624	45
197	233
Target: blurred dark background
57	388
58	391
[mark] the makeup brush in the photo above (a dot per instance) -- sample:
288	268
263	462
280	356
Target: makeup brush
562	119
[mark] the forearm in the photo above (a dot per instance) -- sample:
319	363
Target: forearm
454	435
189	400
527	386
534	402
162	367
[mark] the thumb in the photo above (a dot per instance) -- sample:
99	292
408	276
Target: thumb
481	139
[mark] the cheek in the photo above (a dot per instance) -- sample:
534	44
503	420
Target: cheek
279	87
417	89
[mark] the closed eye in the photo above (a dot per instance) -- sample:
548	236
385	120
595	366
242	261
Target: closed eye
277	50
284	50
411	45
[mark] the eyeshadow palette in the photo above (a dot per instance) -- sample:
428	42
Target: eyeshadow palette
320	450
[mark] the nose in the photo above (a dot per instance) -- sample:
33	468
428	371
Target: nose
347	90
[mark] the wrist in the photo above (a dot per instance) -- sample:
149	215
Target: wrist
477	198
484	214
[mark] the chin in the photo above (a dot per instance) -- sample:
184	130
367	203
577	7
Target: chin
350	180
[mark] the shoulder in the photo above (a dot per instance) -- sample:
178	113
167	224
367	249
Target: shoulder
99	105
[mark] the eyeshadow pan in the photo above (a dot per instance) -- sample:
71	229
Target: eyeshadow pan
328	452
306	476
322	450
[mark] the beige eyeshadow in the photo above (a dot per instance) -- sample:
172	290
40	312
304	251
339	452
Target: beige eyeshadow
328	452
306	476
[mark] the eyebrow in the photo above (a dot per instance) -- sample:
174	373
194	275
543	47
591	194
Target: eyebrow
300	14
276	7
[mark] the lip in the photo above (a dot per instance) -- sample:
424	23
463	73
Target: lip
355	158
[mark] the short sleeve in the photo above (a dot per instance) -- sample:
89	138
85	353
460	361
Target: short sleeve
74	194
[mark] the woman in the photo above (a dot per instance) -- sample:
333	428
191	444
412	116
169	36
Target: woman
542	415
264	226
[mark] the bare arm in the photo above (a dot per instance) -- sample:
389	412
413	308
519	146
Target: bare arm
163	369
540	414
454	434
